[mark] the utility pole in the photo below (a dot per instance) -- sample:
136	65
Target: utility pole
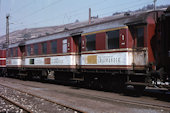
154	4
7	31
7	38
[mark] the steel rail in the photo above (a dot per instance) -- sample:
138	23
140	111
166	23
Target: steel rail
16	104
69	107
145	104
125	101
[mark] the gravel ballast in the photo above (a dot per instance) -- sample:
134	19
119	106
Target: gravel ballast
35	104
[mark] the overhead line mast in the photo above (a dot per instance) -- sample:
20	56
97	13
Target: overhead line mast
7	37
7	31
154	4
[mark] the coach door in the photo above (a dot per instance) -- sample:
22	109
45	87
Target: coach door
22	50
140	56
138	33
77	43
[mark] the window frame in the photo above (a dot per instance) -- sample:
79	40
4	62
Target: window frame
53	47
16	52
87	38
138	45
11	52
113	44
35	48
28	50
44	48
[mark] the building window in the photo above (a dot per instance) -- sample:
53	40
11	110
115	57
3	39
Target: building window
91	42
140	37
28	50
54	47
44	48
112	39
35	49
65	46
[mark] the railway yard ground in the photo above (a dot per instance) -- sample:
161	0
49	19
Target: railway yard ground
47	97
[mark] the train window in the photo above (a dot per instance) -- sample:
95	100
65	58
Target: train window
35	49
112	39
65	46
91	42
16	52
31	61
54	47
28	50
11	52
44	48
140	37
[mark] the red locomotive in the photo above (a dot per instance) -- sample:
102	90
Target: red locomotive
116	51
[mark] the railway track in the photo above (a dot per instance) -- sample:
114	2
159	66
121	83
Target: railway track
108	99
12	102
67	109
140	103
112	100
118	100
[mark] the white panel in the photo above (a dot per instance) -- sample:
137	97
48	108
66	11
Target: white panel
129	58
55	60
27	61
2	58
107	59
140	58
39	61
14	62
61	60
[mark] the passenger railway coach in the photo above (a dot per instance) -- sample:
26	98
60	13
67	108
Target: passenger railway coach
125	50
2	61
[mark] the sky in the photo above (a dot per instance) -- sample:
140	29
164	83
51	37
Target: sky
42	13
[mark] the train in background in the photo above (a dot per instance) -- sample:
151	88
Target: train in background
130	49
2	62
